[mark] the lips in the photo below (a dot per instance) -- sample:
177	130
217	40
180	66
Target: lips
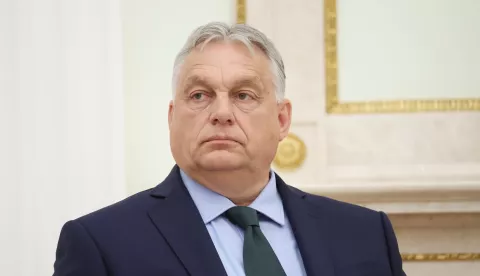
221	138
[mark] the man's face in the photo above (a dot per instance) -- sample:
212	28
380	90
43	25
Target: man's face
225	115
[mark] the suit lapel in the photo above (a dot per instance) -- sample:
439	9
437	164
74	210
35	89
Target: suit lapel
310	231
178	220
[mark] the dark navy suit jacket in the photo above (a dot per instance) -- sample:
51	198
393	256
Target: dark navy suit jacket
160	232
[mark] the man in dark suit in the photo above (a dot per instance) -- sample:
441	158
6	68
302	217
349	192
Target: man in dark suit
222	210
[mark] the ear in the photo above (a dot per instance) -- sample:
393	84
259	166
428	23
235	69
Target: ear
171	108
284	118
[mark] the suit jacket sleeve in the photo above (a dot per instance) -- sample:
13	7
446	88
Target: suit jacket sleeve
77	253
392	246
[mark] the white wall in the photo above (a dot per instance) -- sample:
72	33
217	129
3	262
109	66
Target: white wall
154	33
61	123
421	49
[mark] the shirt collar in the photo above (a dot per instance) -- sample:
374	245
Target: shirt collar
211	204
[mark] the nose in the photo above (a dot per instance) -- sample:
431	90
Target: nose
222	111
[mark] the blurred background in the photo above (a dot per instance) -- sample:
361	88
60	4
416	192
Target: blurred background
386	98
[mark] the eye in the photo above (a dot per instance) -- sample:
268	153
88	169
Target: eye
243	96
198	96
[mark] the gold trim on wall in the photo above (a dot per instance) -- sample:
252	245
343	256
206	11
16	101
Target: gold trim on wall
438	257
241	11
333	105
291	153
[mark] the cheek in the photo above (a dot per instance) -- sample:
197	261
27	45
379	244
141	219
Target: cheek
259	126
189	123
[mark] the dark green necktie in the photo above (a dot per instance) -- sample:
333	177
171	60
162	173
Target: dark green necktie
259	259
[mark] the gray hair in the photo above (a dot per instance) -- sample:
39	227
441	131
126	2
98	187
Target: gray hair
249	36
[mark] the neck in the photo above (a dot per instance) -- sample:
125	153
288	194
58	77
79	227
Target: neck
241	187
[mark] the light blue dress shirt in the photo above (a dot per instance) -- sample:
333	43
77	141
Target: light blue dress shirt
228	238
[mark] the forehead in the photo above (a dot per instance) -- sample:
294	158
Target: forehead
230	59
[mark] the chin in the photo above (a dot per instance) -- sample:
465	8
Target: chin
221	160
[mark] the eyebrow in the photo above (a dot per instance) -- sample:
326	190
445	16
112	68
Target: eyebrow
195	80
247	81
250	81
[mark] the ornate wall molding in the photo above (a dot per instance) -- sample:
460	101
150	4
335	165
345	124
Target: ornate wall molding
333	105
291	153
241	11
440	257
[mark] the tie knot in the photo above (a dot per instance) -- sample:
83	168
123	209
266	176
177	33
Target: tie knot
243	216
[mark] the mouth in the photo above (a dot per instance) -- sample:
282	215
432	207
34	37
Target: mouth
221	140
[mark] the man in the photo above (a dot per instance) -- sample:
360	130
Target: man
222	210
